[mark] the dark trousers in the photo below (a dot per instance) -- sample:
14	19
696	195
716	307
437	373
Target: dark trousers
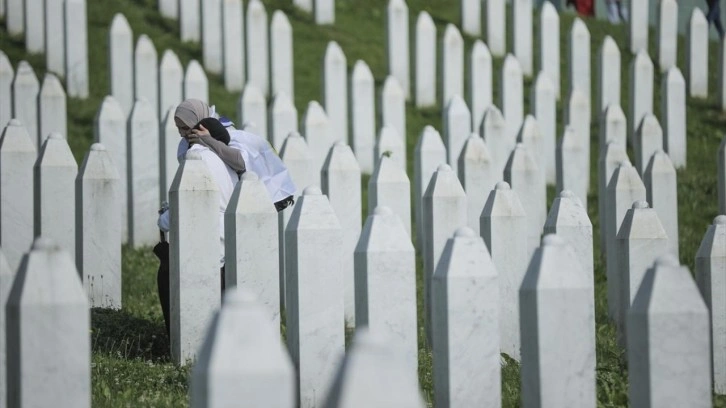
162	282
714	16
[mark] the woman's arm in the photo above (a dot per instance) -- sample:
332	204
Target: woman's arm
229	155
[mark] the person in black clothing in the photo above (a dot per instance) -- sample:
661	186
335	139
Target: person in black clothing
714	16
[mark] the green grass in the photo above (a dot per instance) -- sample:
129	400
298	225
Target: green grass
130	366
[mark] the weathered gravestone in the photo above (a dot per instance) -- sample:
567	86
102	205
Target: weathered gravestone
397	43
577	115
211	20
389	187
7	276
661	187
335	90
363	115
697	55
146	74
389	144
504	229
640	91
522	33
171	82
544	108
456	122
55	38
428	155
579	56
452	66
477	177
556	285
569	220
494	131
233	44
189	22
549	49
610	158
393	107
425	61
465	296
667	33
531	137
242	359
17	155
511	95
76	58
47	308
480	82
470	17
638	26
648	139
608	75
15	17
252	108
316	129
341	182
673	111
324	11
525	178
314	302
281	58
195	82
169	9
496	23
257	46
25	100
613	126
6	82
283	119
679	374
710	275
571	160
51	108
385	284
98	228
121	62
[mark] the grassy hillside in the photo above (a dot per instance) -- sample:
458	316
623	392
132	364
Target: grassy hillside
130	365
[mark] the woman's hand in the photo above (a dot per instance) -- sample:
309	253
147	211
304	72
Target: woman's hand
196	135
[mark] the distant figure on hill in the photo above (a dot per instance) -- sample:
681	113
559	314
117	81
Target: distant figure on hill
617	12
714	15
584	7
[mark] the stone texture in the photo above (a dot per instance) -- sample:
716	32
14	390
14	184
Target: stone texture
98	228
283	119
393	107
242	358
335	90
638	26
608	75
610	158
511	95
76	36
253	109
425	61
522	34
17	155
55	37
389	187
6	81
233	44
429	153
397	43
51	108
544	108
648	140
316	128
480	82
527	181
554	286
571	160
569	220
48	281
640	91
465	295
390	144
477	177
452	66
257	46
549	49
674	373
363	115
171	82
281	56
189	21
661	191
504	229
212	46
195	82
25	101
673	111
579	56
667	34
456	123
494	131
697	55
121	60
146	74
314	286
496	23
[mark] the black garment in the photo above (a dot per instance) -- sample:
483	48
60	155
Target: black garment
284	203
714	16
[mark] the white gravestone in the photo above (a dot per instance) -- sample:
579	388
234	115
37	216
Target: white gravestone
316	129
496	22
390	144
571	160
6	82
393	107
253	109
98	228
52	108
444	210
525	178
661	190
554	286
511	95
531	136
624	188
146	75
324	11
314	285
610	158
456	123
495	133
640	91
25	100
54	204
242	358
168	142
452	66
76	37
577	115
638	26
335	90
253	263
305	5
7	276
470	17
171	82
503	226
480	82
194	275
697	54
195	82
281	55
121	60
648	140
641	240
373	373
109	129
341	182
667	33
722	75
211	15
522	34
363	115
710	274
608	75
477	177
613	127
47	308
385	283
425	61
283	119
722	177
15	17
569	220
549	49
579	56
55	41
673	112
17	156
257	56
233	44
142	162
389	187
397	43
169	9
189	21
429	153
544	108
679	374
465	295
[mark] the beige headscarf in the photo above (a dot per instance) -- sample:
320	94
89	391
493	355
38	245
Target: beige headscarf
191	111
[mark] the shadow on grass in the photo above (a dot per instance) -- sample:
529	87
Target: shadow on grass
118	333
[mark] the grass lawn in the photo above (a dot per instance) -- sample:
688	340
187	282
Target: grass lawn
130	366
